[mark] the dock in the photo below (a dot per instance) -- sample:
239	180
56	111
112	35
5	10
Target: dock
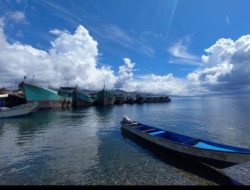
239	173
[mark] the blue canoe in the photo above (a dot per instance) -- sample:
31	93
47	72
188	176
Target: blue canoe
214	154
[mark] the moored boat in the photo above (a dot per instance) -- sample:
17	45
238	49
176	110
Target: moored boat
214	154
119	99
20	110
139	99
104	98
46	98
81	99
130	99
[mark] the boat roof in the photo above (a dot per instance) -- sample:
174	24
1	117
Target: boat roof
4	95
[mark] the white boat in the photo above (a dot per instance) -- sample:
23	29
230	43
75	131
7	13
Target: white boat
214	154
23	109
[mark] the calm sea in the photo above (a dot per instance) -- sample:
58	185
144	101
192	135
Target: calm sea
86	146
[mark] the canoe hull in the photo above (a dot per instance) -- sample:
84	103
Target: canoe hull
218	159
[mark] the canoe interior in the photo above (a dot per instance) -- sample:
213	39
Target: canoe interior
189	141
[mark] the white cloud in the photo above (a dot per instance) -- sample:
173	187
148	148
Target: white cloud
125	74
227	19
226	65
17	16
116	35
72	60
148	83
180	53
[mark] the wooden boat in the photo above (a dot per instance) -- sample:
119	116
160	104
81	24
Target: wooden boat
213	154
20	110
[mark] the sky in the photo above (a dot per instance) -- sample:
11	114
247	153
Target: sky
175	47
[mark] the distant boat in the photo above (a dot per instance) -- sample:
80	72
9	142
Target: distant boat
139	99
119	99
23	109
104	98
79	99
214	154
46	98
130	100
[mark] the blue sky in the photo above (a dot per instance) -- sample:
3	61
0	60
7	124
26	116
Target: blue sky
139	41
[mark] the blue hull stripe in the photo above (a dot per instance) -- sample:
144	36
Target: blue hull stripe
157	132
211	147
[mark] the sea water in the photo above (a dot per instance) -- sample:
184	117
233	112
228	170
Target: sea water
86	146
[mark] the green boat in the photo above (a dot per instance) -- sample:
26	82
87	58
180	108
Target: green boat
79	99
104	98
46	98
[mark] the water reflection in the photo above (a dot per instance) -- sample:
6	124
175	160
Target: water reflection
103	112
180	162
85	146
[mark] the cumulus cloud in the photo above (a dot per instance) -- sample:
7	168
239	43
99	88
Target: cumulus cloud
226	65
125	74
72	60
149	83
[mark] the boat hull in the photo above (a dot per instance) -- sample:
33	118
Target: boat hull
54	104
20	110
104	98
81	100
218	159
46	98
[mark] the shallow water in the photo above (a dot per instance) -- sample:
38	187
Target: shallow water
86	146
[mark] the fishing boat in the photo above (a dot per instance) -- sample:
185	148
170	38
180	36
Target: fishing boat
139	99
104	98
81	99
119	99
20	110
211	153
46	98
